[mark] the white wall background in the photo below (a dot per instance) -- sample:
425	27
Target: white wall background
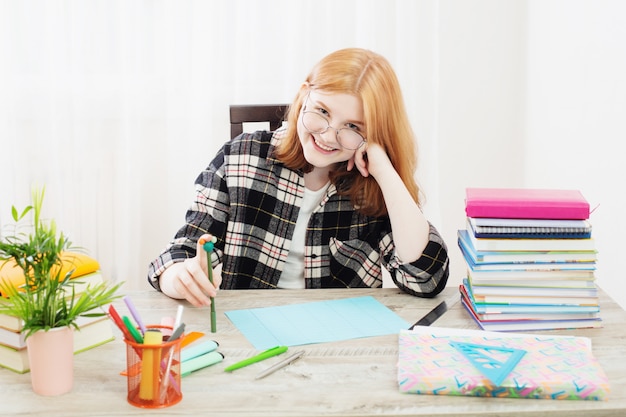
117	105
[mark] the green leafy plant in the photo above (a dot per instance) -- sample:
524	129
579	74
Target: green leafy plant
48	298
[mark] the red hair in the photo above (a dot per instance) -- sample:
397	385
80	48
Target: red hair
370	77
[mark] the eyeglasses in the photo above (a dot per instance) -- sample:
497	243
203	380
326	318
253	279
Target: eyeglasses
315	123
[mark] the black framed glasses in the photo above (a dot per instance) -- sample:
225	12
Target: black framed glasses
316	123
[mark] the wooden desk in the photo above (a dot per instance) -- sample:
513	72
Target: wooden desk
349	378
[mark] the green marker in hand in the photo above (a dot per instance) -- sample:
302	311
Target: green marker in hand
208	247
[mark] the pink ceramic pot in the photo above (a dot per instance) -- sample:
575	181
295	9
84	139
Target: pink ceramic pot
51	358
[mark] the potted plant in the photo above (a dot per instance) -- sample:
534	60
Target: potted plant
47	301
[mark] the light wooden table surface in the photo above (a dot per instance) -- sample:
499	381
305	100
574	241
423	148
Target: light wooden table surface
348	378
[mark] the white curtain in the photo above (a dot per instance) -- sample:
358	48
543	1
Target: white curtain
115	106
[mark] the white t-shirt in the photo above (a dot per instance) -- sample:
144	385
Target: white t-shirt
293	272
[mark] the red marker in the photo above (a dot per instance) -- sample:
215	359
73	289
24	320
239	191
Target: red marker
119	323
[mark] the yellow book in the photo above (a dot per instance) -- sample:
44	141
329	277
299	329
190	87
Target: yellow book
81	263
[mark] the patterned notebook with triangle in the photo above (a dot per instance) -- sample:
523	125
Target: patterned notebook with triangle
444	361
494	362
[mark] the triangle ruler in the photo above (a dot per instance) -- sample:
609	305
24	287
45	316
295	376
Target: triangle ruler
493	362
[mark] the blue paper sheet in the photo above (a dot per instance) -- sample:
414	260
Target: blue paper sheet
316	322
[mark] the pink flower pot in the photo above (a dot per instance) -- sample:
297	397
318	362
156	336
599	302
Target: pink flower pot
51	358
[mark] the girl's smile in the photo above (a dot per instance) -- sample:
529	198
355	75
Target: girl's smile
335	112
321	146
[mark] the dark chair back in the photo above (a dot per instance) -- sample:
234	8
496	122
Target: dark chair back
249	113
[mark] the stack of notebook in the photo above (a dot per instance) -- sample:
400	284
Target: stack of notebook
531	260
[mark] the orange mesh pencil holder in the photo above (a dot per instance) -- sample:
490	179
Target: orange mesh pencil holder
153	372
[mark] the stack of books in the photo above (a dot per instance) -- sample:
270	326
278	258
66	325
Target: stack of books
531	260
93	331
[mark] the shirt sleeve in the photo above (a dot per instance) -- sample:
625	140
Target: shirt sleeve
208	213
427	276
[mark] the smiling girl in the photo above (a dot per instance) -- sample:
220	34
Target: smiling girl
327	201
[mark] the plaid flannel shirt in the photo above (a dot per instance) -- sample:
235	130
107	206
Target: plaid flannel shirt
250	201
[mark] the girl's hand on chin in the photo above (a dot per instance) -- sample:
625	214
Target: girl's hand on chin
369	159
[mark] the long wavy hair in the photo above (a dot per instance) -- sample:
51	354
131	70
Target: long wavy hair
368	76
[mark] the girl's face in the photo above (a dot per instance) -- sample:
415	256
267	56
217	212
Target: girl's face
323	115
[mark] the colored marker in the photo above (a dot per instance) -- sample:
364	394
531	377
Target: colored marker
200	362
190	338
168	324
136	336
178	332
198	349
119	323
208	247
135	314
150	364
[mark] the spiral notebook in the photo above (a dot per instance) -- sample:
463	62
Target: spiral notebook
496	226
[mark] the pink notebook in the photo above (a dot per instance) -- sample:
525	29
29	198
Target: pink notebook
526	203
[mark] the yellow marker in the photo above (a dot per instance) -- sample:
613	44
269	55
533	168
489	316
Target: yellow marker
150	363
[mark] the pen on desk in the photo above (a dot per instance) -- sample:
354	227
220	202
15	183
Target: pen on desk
135	314
208	247
258	358
280	365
